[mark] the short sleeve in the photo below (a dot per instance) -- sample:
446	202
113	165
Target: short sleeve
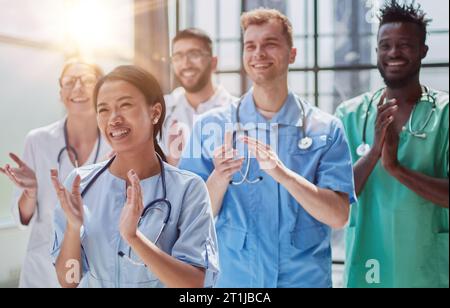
197	241
60	223
29	159
335	171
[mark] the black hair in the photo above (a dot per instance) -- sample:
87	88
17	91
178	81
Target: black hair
194	33
147	84
393	12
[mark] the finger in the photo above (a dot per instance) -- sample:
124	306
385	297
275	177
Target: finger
387	122
135	204
382	99
129	196
138	192
12	176
387	113
18	161
59	189
228	140
135	185
385	126
3	171
232	171
257	152
223	154
387	105
252	141
227	156
74	207
76	186
233	165
54	176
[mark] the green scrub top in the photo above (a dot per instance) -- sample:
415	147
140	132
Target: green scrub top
396	238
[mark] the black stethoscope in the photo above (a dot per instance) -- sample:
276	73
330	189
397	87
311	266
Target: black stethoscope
304	144
365	148
146	210
69	149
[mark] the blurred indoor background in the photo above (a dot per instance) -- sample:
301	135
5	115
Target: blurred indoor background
336	40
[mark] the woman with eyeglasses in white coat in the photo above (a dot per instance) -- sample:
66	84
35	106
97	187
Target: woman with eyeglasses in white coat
72	142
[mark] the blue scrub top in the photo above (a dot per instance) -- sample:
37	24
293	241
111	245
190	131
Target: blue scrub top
188	236
266	239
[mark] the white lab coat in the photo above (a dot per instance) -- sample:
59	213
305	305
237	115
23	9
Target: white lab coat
179	110
42	147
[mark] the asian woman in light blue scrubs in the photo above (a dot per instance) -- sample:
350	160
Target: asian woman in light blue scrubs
133	221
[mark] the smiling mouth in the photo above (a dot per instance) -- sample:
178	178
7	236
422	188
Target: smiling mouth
79	100
188	74
261	66
396	64
119	133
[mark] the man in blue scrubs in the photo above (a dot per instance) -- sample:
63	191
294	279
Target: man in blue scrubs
274	228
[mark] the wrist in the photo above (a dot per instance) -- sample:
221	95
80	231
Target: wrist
286	178
394	169
219	179
375	153
73	229
131	238
30	194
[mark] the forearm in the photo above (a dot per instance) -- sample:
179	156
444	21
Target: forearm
217	189
27	208
363	169
170	271
432	189
69	255
326	206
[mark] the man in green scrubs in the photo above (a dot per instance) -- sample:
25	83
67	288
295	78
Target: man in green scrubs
398	231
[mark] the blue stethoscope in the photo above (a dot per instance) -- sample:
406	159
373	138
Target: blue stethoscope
146	210
304	144
364	148
69	149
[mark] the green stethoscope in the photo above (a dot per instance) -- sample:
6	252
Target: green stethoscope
365	148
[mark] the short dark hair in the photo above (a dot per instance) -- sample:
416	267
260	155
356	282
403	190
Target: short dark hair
194	33
393	12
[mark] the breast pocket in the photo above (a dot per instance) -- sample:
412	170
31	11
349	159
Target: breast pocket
318	142
306	161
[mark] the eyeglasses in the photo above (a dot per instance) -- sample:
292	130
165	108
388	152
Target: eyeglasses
68	82
193	56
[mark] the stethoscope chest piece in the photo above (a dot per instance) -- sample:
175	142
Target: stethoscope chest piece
305	143
363	150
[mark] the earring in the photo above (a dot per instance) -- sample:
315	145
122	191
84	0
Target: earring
156	121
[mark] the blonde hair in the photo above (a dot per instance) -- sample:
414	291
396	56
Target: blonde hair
262	16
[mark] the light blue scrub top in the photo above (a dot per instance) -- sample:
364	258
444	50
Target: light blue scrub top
189	235
266	239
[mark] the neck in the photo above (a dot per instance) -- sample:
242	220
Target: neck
82	129
270	97
198	98
408	94
143	161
